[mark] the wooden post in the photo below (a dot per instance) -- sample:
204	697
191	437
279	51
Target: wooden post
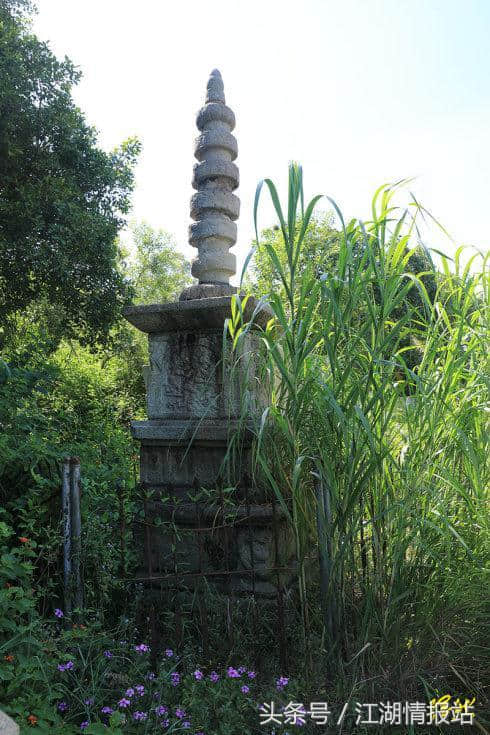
66	520
122	527
76	529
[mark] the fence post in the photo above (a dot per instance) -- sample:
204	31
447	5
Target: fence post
66	520
76	530
122	528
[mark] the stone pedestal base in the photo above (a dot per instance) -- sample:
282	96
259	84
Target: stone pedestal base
241	550
240	543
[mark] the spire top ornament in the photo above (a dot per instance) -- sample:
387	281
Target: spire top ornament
215	88
214	207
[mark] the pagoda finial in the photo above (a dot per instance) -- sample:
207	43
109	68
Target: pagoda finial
214	207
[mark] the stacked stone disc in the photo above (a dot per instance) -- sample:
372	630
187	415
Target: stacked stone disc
214	207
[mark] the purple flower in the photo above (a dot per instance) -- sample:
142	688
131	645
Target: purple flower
186	724
180	713
251	674
107	654
150	676
161	710
198	675
245	689
107	710
65	667
282	682
140	690
129	692
169	653
241	670
84	725
139	716
58	612
123	703
165	723
175	677
142	648
62	706
233	673
89	702
214	676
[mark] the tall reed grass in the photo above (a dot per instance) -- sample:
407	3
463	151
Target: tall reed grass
382	467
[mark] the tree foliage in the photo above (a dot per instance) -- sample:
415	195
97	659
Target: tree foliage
158	271
320	249
62	198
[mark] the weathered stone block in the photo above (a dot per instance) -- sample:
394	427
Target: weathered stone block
7	725
190	378
242	549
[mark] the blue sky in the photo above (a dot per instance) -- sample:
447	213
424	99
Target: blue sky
361	92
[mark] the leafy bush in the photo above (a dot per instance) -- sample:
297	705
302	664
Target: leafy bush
76	677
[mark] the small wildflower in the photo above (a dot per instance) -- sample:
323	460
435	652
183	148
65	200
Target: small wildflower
62	706
175	677
89	702
142	648
180	713
23	540
161	710
245	689
65	667
108	654
123	703
107	710
169	653
214	676
84	725
282	682
241	670
198	675
130	692
186	724
165	723
32	719
150	676
141	716
233	673
251	674
58	613
9	658
140	690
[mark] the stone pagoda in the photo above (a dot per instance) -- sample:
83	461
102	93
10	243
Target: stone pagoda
193	402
